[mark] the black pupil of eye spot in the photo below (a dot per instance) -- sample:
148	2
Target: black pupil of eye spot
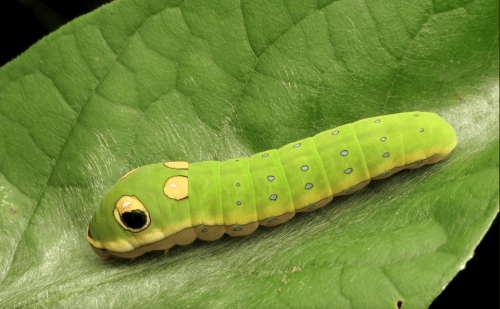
135	219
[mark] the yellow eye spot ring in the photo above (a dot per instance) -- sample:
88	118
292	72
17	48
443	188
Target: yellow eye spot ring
131	214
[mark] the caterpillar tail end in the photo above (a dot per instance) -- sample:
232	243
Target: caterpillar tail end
444	138
447	151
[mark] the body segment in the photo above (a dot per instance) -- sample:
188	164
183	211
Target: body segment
160	205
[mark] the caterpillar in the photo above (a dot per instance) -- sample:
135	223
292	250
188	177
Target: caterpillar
157	206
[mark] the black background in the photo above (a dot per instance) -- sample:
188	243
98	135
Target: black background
27	21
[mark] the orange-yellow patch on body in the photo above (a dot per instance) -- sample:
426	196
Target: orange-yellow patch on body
178	165
176	187
129	173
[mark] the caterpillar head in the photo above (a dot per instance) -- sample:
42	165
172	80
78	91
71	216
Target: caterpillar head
134	212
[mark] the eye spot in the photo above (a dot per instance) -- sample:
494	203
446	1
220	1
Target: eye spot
399	304
135	219
131	214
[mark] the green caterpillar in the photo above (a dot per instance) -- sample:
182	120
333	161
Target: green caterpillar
161	205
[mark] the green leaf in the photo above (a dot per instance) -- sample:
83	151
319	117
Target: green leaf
140	82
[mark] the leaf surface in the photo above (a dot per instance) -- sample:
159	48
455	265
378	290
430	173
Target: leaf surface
140	82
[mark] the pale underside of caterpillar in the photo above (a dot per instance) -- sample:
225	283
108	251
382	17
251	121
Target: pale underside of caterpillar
161	205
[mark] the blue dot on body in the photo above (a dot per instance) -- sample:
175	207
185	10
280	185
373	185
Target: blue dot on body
344	153
335	132
297	145
386	155
238	203
304	168
265	155
348	171
270	178
421	130
383	139
309	186
377	121
273	197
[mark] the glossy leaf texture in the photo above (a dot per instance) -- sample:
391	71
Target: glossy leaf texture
140	82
